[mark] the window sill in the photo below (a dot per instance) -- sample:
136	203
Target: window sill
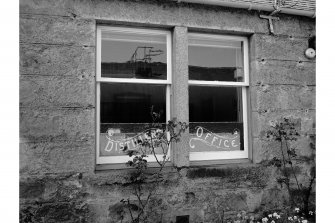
193	164
215	163
122	166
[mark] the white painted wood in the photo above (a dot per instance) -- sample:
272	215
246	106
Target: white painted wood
168	103
99	79
226	155
169	57
217	83
217	37
246	61
245	122
137	39
213	45
134	30
168	113
97	127
98	54
132	80
97	99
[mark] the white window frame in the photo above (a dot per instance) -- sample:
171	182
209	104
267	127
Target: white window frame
225	155
99	80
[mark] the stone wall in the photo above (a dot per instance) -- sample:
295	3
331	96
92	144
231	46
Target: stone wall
58	180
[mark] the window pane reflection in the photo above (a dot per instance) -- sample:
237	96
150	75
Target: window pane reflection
216	61
133	56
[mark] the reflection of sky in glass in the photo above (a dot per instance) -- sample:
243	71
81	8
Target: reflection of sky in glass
213	57
121	51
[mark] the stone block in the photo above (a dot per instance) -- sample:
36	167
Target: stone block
40	158
282	97
282	72
65	187
109	180
274	198
55	60
46	7
56	124
304	149
32	189
295	26
195	215
168	207
56	30
99	212
55	212
264	150
261	121
229	178
60	212
219	18
280	48
254	198
56	91
169	13
234	201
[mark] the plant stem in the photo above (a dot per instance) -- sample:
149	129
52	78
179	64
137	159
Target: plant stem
287	182
129	209
290	162
308	194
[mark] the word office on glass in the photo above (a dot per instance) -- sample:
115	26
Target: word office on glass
134	74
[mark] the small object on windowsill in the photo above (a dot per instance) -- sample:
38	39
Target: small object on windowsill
238	73
310	53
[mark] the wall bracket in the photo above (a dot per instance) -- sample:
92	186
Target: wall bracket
270	18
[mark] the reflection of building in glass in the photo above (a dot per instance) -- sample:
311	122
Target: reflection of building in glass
142	66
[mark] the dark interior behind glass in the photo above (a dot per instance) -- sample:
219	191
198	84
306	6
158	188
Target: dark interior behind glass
218	109
128	106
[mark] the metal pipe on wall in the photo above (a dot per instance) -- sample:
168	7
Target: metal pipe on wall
264	6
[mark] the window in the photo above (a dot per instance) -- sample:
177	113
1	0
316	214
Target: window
218	79
133	74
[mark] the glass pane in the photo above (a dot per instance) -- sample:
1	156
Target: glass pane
216	118
215	60
133	55
125	114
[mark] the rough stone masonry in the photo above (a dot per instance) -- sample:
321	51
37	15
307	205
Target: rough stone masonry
58	181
